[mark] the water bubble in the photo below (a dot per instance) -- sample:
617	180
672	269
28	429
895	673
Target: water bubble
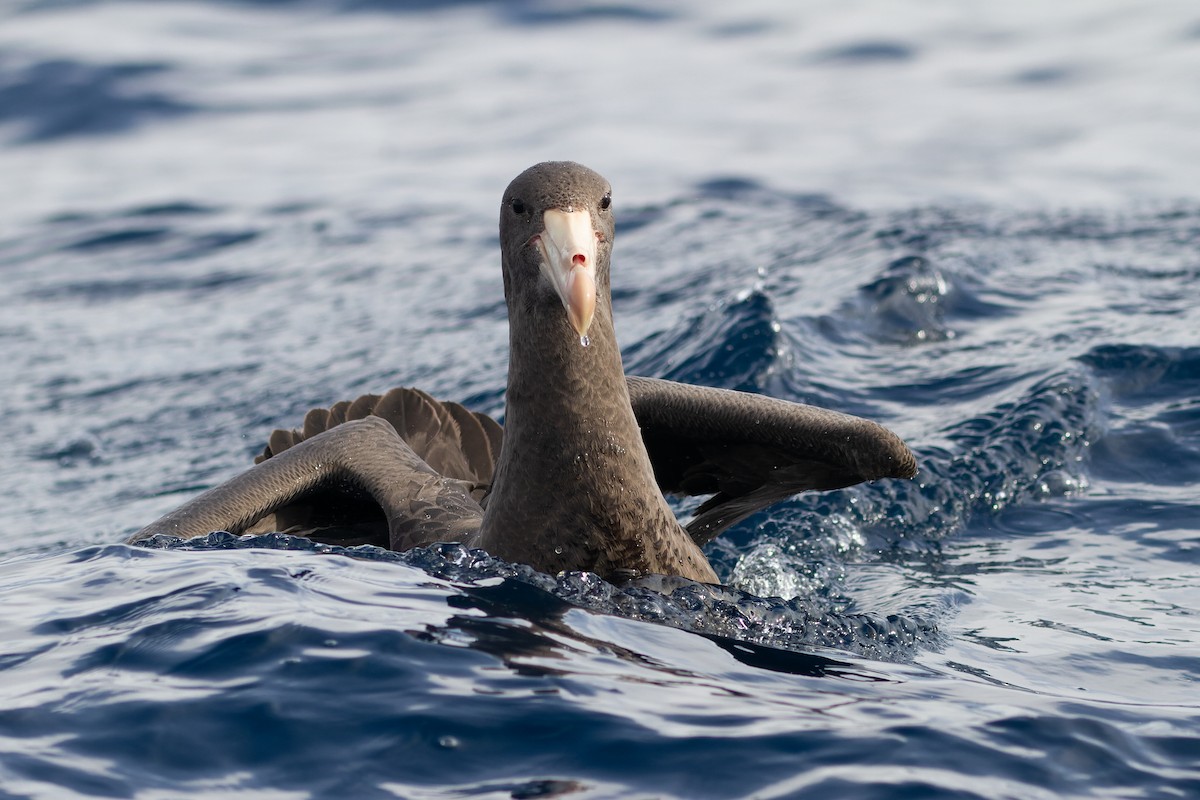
584	341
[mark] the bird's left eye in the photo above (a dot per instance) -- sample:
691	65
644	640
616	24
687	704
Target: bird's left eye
606	201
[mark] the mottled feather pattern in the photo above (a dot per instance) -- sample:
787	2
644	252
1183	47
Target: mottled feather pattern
451	439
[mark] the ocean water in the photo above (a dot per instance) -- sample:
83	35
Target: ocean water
977	223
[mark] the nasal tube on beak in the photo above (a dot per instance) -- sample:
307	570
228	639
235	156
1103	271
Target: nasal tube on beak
568	247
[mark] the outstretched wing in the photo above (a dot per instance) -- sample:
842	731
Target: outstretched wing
457	444
454	441
355	483
749	451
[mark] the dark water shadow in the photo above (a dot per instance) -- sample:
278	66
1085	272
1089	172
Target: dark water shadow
517	12
63	98
868	52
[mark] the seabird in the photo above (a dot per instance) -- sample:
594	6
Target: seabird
575	478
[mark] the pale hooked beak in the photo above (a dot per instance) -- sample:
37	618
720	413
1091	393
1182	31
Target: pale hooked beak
568	248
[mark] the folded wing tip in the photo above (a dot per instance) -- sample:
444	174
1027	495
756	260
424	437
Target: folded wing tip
898	460
906	468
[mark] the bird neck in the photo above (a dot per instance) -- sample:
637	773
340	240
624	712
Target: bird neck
574	487
558	386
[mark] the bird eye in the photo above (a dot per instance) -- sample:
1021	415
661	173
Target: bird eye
606	201
517	205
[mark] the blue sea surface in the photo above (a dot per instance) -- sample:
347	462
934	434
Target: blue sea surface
976	223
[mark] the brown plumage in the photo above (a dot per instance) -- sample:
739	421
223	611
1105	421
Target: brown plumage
575	480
